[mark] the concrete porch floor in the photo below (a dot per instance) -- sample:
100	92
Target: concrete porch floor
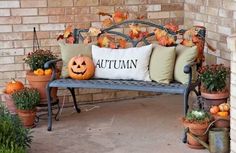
146	125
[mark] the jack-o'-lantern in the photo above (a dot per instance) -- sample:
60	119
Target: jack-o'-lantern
81	67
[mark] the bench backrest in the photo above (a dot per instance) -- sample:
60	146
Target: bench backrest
78	33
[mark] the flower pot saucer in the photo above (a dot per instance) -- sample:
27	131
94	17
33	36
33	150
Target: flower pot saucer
195	147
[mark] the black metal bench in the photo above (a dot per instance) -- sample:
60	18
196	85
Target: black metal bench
172	88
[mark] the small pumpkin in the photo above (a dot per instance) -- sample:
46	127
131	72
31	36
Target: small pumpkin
214	109
224	107
48	72
13	86
223	114
81	67
39	72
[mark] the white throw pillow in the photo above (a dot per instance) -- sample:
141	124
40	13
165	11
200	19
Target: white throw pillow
129	63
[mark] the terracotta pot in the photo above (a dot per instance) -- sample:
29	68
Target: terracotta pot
40	82
10	103
198	130
214	99
27	117
192	143
222	122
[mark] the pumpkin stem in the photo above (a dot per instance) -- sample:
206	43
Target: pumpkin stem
13	80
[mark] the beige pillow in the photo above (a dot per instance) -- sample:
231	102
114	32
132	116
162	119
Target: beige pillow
70	50
162	64
185	55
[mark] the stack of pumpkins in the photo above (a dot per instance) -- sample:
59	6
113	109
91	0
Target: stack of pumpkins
221	115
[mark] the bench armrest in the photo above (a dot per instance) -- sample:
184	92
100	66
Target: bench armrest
52	64
188	70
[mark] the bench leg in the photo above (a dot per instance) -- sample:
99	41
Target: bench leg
72	91
186	106
49	99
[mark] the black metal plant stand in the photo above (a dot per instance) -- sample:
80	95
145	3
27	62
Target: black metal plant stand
42	109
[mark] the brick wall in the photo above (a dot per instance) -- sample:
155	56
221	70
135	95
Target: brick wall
18	17
231	43
218	16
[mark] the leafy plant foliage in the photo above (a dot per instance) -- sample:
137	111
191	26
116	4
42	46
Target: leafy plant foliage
14	138
36	59
26	99
214	77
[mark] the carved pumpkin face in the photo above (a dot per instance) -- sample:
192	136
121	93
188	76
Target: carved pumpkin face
81	67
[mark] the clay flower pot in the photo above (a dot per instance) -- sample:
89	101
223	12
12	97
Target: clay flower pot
27	117
221	122
199	131
40	82
10	103
213	99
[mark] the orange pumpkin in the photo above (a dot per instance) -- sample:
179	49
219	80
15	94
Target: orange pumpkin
39	72
214	109
48	71
81	67
223	114
13	86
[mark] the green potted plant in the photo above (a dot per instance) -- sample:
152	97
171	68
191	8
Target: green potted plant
38	77
26	101
214	84
197	121
14	138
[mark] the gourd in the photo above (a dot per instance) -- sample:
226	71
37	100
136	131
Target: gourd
224	107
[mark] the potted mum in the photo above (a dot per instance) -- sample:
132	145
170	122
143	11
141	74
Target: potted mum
26	101
213	84
38	77
197	121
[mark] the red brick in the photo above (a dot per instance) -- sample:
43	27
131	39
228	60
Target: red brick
111	2
172	7
5	28
6	44
60	19
40	34
51	11
6	60
33	3
48	42
52	27
11	36
135	2
24	12
60	3
107	9
158	15
11	67
77	10
37	19
86	2
4	12
10	20
23	43
19	28
11	52
9	4
86	17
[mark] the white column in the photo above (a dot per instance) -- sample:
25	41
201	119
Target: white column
231	43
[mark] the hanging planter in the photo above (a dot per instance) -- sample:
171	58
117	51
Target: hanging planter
38	77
